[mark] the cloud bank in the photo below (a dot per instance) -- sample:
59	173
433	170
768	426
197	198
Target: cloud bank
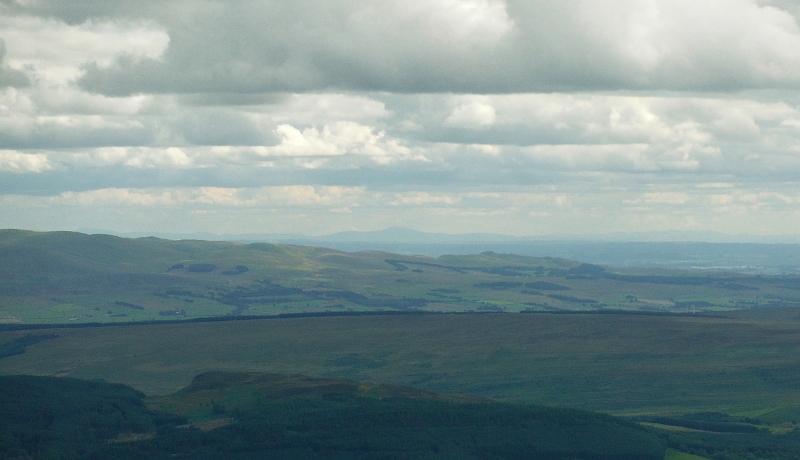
578	116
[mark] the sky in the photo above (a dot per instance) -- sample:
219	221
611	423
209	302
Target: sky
520	117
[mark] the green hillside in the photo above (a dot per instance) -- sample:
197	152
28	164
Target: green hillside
64	277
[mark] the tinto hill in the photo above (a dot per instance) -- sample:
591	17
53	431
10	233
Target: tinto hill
247	416
64	277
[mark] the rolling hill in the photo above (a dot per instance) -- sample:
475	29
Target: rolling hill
64	277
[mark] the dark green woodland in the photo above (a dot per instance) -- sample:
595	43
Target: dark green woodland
287	417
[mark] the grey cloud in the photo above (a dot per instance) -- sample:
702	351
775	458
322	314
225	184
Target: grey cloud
61	137
10	77
78	11
220	128
274	46
231	99
517	135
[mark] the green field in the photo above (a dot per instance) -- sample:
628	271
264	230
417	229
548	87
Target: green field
676	455
70	278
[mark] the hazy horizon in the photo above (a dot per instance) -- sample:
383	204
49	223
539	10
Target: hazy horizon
400	233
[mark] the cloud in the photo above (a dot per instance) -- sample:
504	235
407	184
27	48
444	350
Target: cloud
172	156
340	138
465	46
70	131
363	139
17	162
671	198
131	157
114	197
313	107
615	114
424	198
53	50
475	111
10	77
263	197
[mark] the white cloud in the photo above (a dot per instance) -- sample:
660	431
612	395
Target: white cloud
17	162
473	111
310	141
305	109
617	157
114	197
55	51
459	21
337	139
674	198
263	197
682	43
132	157
306	195
152	158
424	198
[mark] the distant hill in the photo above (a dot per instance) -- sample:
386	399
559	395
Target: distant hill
405	235
669	249
66	277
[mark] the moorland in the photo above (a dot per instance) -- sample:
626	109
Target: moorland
704	363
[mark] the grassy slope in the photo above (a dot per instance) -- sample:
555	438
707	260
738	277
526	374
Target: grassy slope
676	455
63	277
